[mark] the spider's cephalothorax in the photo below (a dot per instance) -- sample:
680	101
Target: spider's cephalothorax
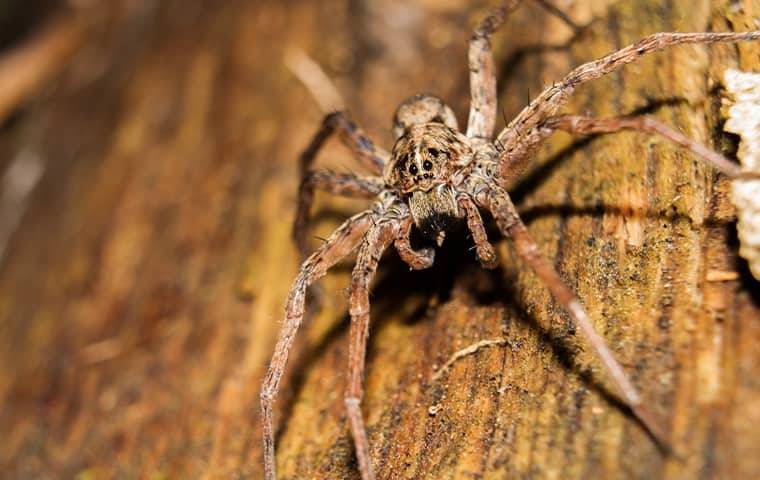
428	161
435	176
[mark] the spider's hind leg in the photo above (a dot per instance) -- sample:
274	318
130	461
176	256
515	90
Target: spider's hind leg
482	116
369	155
513	163
548	102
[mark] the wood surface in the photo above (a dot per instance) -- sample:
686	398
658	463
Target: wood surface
142	291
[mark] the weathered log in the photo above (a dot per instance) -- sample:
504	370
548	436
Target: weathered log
142	292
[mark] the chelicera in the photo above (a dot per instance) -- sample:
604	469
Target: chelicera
436	177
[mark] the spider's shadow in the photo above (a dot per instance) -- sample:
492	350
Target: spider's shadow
392	287
532	179
452	270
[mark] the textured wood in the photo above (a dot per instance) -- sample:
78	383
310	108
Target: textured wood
142	293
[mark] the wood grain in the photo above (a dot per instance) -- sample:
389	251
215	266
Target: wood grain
142	292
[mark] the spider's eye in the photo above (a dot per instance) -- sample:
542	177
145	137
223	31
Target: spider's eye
433	152
428	165
413	169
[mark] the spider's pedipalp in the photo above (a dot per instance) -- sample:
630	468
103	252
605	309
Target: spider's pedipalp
338	245
484	250
416	259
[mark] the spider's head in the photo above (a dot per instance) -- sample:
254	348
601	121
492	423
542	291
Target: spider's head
429	148
426	164
425	156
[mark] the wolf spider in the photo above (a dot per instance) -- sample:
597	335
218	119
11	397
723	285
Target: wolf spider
435	177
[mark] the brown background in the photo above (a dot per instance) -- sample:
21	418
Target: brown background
142	291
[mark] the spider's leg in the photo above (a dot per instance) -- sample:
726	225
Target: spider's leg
416	259
375	242
511	226
341	184
483	249
557	95
327	96
513	163
370	155
482	117
590	126
345	184
338	245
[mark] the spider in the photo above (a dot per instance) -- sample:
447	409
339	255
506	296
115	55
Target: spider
436	177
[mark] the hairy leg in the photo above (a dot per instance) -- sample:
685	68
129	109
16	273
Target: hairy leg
557	95
371	156
327	96
482	119
416	259
498	201
588	126
375	242
483	249
340	244
345	184
515	162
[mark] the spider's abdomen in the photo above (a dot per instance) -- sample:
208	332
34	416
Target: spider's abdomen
435	211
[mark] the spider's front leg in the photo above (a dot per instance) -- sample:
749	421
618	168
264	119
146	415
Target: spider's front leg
377	239
498	202
338	245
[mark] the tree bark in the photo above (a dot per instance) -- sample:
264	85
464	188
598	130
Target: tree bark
142	292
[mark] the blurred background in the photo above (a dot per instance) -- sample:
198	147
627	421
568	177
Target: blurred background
148	171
